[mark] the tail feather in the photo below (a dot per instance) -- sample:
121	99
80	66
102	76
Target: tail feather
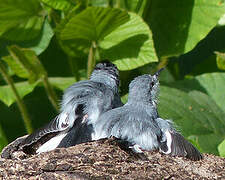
178	146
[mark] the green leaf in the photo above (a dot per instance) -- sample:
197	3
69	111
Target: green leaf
178	26
221	148
3	139
23	88
209	143
185	109
130	45
213	84
20	19
16	67
99	3
59	4
209	83
222	20
137	6
61	82
38	44
25	63
220	59
93	24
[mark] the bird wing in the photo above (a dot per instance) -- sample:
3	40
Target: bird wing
74	105
58	124
181	147
130	124
174	143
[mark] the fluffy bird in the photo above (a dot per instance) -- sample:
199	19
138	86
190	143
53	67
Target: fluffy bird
137	123
81	106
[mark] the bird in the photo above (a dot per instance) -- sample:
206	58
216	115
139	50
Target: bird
138	124
82	104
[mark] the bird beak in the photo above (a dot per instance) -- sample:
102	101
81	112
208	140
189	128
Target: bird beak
158	72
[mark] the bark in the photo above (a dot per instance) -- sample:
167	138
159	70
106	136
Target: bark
104	159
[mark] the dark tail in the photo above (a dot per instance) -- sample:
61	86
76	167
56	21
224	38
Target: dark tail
176	145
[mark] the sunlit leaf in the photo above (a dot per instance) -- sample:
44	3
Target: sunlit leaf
25	63
130	45
93	24
38	44
20	19
220	59
7	96
221	21
61	82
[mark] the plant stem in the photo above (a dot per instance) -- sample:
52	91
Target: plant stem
51	93
74	68
91	58
19	101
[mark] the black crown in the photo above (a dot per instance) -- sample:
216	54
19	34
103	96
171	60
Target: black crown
106	65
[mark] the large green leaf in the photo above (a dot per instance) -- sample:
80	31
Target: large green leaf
38	44
221	148
178	26
130	45
59	4
78	43
7	96
194	111
24	88
214	85
20	19
93	24
209	83
24	63
3	139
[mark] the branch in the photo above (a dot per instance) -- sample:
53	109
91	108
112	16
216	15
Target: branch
104	159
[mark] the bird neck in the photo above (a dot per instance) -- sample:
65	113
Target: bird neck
149	108
141	102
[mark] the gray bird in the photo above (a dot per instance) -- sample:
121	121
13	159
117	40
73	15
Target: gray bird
138	124
82	104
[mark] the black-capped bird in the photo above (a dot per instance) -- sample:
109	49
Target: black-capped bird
81	106
138	123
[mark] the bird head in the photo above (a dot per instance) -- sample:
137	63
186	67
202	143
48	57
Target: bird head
145	88
106	72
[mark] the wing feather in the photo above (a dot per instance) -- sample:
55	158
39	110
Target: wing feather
41	132
181	147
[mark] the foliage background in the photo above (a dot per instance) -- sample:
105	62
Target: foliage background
46	45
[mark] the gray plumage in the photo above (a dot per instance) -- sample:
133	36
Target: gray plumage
81	106
138	122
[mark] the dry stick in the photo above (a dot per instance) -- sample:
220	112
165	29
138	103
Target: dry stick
19	101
